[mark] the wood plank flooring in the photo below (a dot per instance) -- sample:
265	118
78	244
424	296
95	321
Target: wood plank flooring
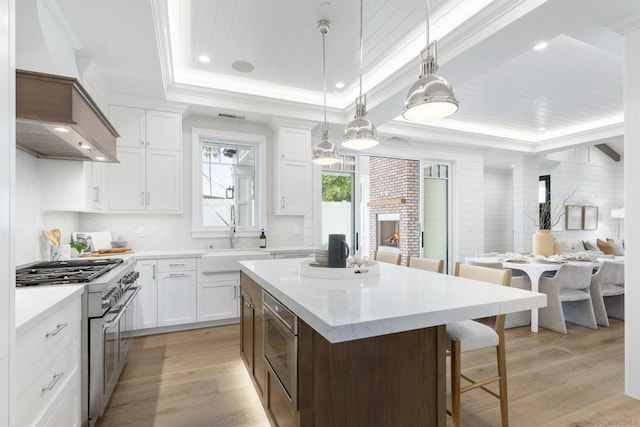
196	378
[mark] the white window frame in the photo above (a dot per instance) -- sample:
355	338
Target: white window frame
199	135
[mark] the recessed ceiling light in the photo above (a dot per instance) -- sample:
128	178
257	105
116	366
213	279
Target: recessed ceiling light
61	129
540	46
100	159
541	129
242	66
204	59
339	85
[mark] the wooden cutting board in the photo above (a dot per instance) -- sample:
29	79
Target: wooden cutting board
107	252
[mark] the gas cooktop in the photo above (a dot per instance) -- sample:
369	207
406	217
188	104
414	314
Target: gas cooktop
64	272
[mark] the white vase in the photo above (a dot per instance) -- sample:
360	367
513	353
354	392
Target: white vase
543	243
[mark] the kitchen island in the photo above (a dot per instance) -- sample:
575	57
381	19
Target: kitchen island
370	351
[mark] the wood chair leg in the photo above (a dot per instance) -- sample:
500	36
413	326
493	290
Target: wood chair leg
455	383
502	372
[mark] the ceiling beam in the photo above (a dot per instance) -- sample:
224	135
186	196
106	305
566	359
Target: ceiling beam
609	151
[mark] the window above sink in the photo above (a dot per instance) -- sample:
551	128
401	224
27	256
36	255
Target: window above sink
228	175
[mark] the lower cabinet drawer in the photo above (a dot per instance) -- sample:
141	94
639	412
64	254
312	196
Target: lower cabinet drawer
36	344
65	410
279	407
41	385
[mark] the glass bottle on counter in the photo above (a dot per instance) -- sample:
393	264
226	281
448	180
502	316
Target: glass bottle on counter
263	240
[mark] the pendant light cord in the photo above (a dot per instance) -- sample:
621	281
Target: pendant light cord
428	12
324	76
361	49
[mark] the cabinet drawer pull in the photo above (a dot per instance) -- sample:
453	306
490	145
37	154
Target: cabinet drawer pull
177	265
142	143
154	271
59	327
282	203
142	198
177	275
148	198
53	382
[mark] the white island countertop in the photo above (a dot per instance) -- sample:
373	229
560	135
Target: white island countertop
399	299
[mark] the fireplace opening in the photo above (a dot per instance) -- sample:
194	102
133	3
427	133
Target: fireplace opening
388	232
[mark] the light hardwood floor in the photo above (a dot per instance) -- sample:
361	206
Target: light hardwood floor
196	378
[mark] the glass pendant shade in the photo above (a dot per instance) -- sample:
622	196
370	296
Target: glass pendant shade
326	152
360	133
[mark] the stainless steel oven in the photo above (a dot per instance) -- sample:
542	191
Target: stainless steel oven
281	345
110	340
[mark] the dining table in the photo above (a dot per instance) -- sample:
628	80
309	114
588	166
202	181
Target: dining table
534	268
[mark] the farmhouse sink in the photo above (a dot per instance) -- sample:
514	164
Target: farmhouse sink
221	261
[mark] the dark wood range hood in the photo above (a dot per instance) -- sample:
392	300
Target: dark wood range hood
57	119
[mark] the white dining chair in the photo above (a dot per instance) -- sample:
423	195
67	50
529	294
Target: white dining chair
568	298
471	335
607	292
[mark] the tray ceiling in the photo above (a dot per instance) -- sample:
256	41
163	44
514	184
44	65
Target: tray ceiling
506	89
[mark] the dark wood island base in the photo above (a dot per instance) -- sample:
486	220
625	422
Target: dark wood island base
393	380
390	380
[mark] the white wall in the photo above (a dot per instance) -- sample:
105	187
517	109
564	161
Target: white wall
7	211
468	207
586	176
164	232
31	220
498	210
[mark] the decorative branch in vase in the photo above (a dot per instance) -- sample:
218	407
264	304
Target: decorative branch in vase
548	217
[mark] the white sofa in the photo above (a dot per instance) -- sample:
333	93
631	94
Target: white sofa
589	246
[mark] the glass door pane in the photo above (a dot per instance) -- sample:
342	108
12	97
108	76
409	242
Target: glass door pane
435	199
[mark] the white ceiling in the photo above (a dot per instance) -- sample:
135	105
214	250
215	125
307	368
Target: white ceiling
508	92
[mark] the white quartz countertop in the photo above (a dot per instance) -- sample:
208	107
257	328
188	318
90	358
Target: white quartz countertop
34	303
188	253
399	299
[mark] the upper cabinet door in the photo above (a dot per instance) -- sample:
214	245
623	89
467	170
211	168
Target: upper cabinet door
163	181
294	144
127	181
163	130
130	124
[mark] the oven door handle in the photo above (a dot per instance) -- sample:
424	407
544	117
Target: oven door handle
124	307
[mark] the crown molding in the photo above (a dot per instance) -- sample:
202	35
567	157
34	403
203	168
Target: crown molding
160	12
625	25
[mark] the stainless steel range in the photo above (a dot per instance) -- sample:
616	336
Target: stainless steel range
107	319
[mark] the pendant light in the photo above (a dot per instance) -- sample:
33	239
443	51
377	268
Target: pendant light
325	152
360	133
430	98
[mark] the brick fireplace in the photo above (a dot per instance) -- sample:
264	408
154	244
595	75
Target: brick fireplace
394	201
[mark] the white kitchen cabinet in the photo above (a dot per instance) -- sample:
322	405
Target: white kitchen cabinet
217	299
147	300
293	186
95	183
148	178
145	181
176	292
48	369
70	185
293	171
139	128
